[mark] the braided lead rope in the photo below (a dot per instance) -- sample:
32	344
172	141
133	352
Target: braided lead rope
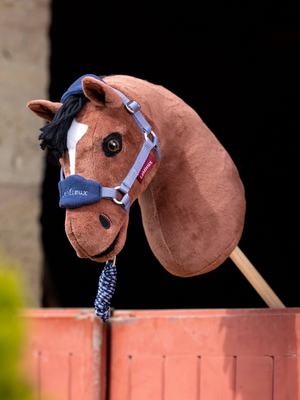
106	288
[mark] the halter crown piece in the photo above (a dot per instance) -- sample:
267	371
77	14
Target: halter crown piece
75	191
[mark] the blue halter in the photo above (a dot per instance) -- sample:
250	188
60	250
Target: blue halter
75	191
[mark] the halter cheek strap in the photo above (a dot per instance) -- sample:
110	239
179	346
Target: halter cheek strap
75	191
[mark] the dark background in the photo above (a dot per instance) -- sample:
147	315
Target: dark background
238	68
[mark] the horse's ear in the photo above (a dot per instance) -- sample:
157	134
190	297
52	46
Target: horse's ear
44	108
100	93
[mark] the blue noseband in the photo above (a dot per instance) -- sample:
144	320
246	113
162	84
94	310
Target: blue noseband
75	191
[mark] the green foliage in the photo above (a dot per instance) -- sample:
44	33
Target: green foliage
12	386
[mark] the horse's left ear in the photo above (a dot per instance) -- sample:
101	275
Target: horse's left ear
100	93
44	109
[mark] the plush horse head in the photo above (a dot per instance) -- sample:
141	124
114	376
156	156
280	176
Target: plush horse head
121	138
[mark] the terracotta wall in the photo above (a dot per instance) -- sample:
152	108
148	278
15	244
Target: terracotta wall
165	354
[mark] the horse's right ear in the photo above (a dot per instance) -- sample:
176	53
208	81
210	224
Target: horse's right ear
100	93
44	108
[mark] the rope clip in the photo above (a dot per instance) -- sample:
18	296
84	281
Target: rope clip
114	260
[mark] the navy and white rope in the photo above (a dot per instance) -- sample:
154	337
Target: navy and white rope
106	288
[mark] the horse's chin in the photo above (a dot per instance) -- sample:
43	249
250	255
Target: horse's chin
93	242
114	248
109	250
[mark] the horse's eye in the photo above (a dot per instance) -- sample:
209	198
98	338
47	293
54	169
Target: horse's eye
113	145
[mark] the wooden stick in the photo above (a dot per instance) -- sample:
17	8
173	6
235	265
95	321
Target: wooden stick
256	280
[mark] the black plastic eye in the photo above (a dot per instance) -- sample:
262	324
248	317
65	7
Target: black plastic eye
112	144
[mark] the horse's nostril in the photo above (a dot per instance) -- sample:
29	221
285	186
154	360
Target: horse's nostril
104	221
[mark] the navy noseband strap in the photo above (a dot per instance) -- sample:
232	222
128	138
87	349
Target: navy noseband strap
75	191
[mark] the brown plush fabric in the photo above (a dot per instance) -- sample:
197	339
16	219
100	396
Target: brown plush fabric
192	201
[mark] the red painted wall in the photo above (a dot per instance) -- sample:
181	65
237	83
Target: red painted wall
66	353
167	355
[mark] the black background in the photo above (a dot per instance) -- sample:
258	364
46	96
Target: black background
238	67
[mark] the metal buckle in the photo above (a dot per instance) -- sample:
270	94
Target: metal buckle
129	109
117	201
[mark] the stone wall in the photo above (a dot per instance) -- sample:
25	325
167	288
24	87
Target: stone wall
24	72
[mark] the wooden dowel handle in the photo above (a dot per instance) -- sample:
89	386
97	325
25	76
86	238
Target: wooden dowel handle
256	280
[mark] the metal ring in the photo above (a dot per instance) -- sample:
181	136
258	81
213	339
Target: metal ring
117	201
146	135
113	261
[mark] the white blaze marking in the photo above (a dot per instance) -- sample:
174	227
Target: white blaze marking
75	133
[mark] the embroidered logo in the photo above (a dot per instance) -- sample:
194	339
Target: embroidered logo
72	192
145	168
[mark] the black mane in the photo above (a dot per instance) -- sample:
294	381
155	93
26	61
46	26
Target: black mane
54	135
